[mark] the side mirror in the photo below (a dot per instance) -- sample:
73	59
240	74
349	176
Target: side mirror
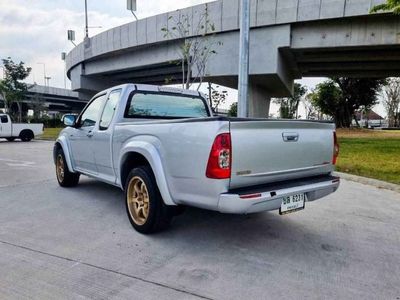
69	120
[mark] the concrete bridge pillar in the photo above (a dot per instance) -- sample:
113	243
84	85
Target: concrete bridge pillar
259	101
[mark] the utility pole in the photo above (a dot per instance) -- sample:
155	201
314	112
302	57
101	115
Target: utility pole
86	21
243	84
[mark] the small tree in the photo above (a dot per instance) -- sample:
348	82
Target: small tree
197	46
216	96
389	6
11	87
391	100
289	106
311	111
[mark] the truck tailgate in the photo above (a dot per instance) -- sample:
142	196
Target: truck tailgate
265	151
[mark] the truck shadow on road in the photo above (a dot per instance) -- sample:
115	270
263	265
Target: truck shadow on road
211	231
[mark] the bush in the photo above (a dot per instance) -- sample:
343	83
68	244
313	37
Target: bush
233	110
49	122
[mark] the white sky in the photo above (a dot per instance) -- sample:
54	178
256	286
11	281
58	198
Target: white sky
36	31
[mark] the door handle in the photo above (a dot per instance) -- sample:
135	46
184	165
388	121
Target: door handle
89	134
290	136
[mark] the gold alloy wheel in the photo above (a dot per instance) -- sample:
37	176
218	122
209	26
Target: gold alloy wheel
138	200
60	168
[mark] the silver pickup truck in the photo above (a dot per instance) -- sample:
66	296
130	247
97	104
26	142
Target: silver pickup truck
166	150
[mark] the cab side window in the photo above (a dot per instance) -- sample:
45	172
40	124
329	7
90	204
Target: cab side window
109	109
3	119
91	113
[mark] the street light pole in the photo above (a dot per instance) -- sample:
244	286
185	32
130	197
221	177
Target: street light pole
131	5
44	72
48	80
63	57
86	21
243	84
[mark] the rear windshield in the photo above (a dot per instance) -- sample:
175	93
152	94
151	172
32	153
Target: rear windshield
147	105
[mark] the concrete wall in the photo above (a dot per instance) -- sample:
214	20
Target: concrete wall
373	31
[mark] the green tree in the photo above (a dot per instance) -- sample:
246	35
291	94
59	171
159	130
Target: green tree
389	6
391	101
233	110
341	97
12	88
289	106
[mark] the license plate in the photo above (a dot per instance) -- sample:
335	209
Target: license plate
292	203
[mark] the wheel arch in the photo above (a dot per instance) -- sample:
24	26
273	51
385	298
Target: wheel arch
137	153
61	143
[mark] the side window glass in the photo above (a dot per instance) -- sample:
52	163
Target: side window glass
109	109
90	115
4	119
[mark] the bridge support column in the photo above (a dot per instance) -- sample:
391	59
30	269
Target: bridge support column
259	101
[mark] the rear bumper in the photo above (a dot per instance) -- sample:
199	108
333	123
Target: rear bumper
269	197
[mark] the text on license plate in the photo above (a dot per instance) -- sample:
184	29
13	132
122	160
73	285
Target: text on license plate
292	203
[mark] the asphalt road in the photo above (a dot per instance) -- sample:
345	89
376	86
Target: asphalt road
72	243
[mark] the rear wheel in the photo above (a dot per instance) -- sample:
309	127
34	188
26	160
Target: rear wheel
26	135
144	205
10	139
65	178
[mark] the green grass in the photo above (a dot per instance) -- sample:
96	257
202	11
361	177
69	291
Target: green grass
375	154
50	133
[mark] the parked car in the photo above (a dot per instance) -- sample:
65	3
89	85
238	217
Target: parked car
25	131
165	149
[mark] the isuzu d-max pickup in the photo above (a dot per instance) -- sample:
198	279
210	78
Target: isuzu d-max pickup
166	150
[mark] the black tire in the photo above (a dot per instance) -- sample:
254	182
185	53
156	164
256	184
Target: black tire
26	135
64	177
158	215
10	139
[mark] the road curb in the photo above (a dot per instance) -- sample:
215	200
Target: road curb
369	181
45	139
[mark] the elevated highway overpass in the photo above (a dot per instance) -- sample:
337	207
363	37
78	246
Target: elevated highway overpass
289	39
51	98
54	99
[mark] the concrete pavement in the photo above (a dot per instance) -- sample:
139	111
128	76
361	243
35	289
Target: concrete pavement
78	242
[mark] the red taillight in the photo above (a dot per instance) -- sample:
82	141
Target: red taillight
219	162
335	149
250	196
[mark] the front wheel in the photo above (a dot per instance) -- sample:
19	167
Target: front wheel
65	178
144	204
